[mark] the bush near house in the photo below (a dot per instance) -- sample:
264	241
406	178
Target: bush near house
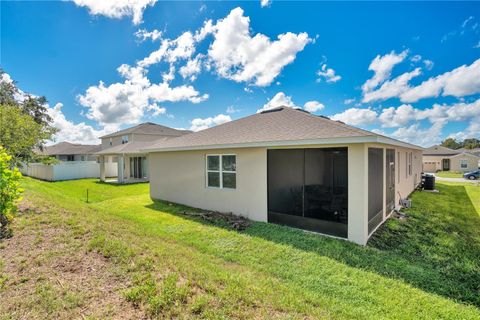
123	255
10	192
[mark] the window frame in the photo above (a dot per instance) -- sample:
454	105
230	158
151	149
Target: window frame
125	139
463	162
410	163
220	170
399	166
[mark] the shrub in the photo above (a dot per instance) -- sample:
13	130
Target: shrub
10	192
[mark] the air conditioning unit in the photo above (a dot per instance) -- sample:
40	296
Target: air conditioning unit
406	203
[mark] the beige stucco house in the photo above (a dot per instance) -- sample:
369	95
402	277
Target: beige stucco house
289	167
438	158
125	148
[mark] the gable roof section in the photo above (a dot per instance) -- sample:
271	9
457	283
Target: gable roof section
134	147
276	127
67	148
440	151
148	128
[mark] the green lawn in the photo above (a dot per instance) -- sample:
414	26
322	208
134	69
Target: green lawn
449	174
172	265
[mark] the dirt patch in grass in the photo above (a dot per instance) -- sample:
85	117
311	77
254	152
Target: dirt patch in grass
46	272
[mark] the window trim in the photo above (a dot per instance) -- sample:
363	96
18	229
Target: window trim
125	139
220	170
463	162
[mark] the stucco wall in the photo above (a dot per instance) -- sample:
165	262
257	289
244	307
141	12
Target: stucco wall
180	177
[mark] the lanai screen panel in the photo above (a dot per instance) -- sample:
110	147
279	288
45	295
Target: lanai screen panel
375	187
307	188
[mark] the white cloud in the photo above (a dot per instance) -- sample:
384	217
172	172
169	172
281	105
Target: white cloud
313	106
192	68
75	132
462	81
278	100
265	3
382	67
328	74
349	101
416	135
477	45
416	58
231	109
238	56
391	88
127	102
356	116
143	34
117	8
202	124
428	64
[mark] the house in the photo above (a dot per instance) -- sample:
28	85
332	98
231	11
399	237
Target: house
125	149
75	161
66	151
438	158
289	167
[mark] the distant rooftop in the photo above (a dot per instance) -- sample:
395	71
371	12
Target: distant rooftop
67	148
148	128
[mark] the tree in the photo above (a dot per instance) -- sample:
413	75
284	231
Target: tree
471	143
20	134
25	124
10	192
451	143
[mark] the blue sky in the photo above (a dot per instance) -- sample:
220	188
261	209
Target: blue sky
407	70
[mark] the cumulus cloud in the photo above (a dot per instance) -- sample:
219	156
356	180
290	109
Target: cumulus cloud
265	3
461	81
278	100
392	88
143	35
382	67
192	68
126	102
282	100
75	132
202	124
313	106
241	57
328	74
117	8
416	135
356	116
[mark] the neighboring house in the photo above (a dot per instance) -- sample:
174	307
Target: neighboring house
125	149
66	151
438	158
76	161
289	167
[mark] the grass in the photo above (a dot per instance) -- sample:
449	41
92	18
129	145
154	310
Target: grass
449	174
177	266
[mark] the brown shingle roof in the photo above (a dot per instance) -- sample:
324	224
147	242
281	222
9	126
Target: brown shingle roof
128	148
149	128
440	151
269	127
67	148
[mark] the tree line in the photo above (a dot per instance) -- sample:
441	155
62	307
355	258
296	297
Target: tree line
452	143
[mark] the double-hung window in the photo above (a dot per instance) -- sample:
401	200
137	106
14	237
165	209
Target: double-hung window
222	171
463	164
410	164
124	139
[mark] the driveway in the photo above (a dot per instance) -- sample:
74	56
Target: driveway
453	179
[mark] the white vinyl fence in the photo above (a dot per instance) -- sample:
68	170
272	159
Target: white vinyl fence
70	170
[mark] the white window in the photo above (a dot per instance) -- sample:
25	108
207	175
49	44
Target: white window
463	164
110	141
221	171
124	139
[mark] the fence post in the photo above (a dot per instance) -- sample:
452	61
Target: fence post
87	195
